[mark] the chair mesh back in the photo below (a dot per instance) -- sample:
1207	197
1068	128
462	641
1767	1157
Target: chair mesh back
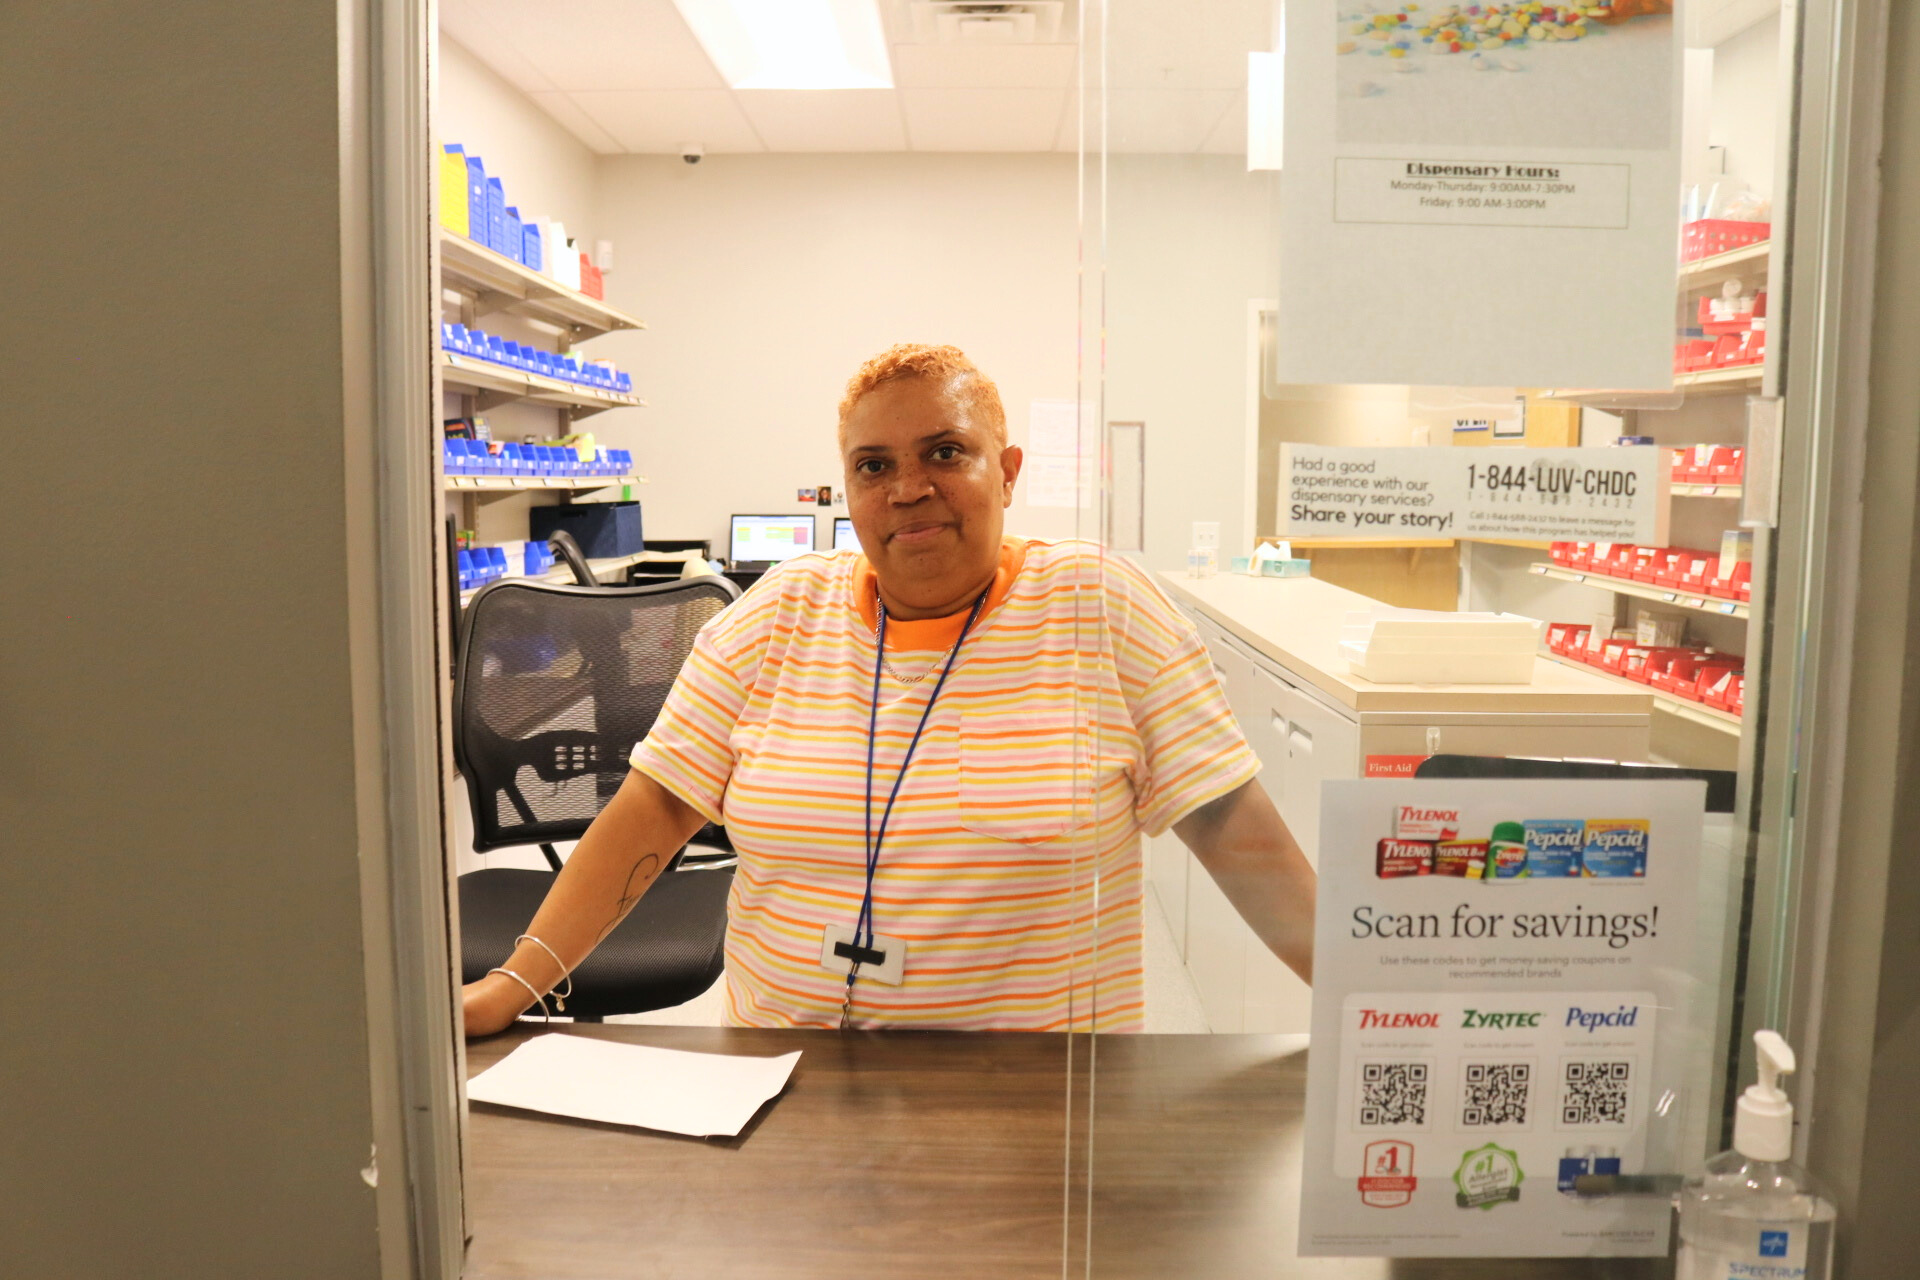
555	686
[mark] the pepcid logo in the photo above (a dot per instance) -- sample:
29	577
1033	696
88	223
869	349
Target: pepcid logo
1386	1180
1773	1244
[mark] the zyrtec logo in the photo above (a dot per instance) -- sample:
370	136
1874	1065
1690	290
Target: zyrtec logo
1371	1019
1477	1019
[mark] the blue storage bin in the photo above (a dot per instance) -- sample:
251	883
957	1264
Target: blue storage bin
479	221
623	383
515	235
496	563
496	215
531	251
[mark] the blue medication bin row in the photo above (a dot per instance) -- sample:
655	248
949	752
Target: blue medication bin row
496	458
481	565
480	345
474	204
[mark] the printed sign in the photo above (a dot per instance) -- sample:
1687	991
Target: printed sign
1501	992
1480	194
1542	495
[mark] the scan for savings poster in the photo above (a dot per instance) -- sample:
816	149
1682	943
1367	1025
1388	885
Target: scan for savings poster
1480	194
1500	1004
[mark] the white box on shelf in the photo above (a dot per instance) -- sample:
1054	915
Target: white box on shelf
1419	646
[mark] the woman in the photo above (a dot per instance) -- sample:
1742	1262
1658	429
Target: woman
922	828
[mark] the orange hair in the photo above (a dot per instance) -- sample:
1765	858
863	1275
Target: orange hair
973	388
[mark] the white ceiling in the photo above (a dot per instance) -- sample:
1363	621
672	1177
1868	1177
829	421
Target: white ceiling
628	77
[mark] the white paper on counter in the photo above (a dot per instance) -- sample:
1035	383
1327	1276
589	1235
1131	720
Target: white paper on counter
701	1095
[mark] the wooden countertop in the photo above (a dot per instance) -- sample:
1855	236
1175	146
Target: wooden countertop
1295	622
936	1155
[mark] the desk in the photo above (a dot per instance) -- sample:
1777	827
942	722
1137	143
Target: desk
924	1155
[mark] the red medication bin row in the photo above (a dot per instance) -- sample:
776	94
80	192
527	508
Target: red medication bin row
1683	671
1678	569
1709	464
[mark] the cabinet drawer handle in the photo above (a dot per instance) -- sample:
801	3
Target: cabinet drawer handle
1301	740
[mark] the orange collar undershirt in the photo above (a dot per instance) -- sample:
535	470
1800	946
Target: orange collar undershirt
935	634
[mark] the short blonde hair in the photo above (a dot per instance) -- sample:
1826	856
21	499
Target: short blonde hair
941	364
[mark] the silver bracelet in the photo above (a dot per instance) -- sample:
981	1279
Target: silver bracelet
537	997
566	975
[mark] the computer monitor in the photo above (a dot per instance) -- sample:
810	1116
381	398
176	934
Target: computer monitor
843	534
767	540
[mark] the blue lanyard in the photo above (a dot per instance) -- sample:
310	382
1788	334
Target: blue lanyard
863	927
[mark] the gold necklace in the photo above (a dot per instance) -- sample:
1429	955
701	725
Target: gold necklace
879	612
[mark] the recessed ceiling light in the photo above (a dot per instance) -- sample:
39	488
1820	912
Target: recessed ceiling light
793	44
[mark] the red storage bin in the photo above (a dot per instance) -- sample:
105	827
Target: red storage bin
1735	323
1692	354
1717	691
1737	694
1618	562
1729	465
1613	655
1562	636
1729	588
1697	572
1644	660
1561	553
1679	672
1710	675
1581	556
1646	561
1673	563
1709	236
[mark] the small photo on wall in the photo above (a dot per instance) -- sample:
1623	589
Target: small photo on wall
806	495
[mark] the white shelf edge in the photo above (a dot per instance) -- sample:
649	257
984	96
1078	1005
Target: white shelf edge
561	573
1660	595
1712	717
534	484
1706	491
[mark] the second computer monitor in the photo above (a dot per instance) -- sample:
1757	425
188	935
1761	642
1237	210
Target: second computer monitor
843	534
767	540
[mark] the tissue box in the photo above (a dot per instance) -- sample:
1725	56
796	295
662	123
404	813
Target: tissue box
1413	646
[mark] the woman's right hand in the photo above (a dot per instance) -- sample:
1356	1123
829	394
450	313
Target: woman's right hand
489	1006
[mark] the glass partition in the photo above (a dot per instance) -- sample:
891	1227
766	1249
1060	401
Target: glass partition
1495	1079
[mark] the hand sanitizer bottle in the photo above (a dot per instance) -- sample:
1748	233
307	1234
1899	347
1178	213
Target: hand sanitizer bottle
1751	1214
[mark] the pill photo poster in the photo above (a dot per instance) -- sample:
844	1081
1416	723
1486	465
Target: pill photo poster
1480	194
1504	1001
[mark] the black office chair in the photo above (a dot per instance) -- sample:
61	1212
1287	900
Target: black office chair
1720	782
553	686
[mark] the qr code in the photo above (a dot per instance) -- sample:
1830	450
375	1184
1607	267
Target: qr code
1393	1093
1495	1093
1596	1093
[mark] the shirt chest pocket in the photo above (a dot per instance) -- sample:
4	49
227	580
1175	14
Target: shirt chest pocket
1017	773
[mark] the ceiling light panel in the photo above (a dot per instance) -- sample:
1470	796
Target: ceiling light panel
793	44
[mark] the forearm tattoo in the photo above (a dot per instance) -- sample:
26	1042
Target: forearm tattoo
640	877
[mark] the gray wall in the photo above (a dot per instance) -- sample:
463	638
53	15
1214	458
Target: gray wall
186	1087
1869	1091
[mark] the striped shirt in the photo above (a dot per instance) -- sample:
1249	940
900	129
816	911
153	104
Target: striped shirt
1082	709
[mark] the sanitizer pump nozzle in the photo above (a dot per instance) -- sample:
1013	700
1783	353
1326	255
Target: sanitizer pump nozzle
1763	1119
